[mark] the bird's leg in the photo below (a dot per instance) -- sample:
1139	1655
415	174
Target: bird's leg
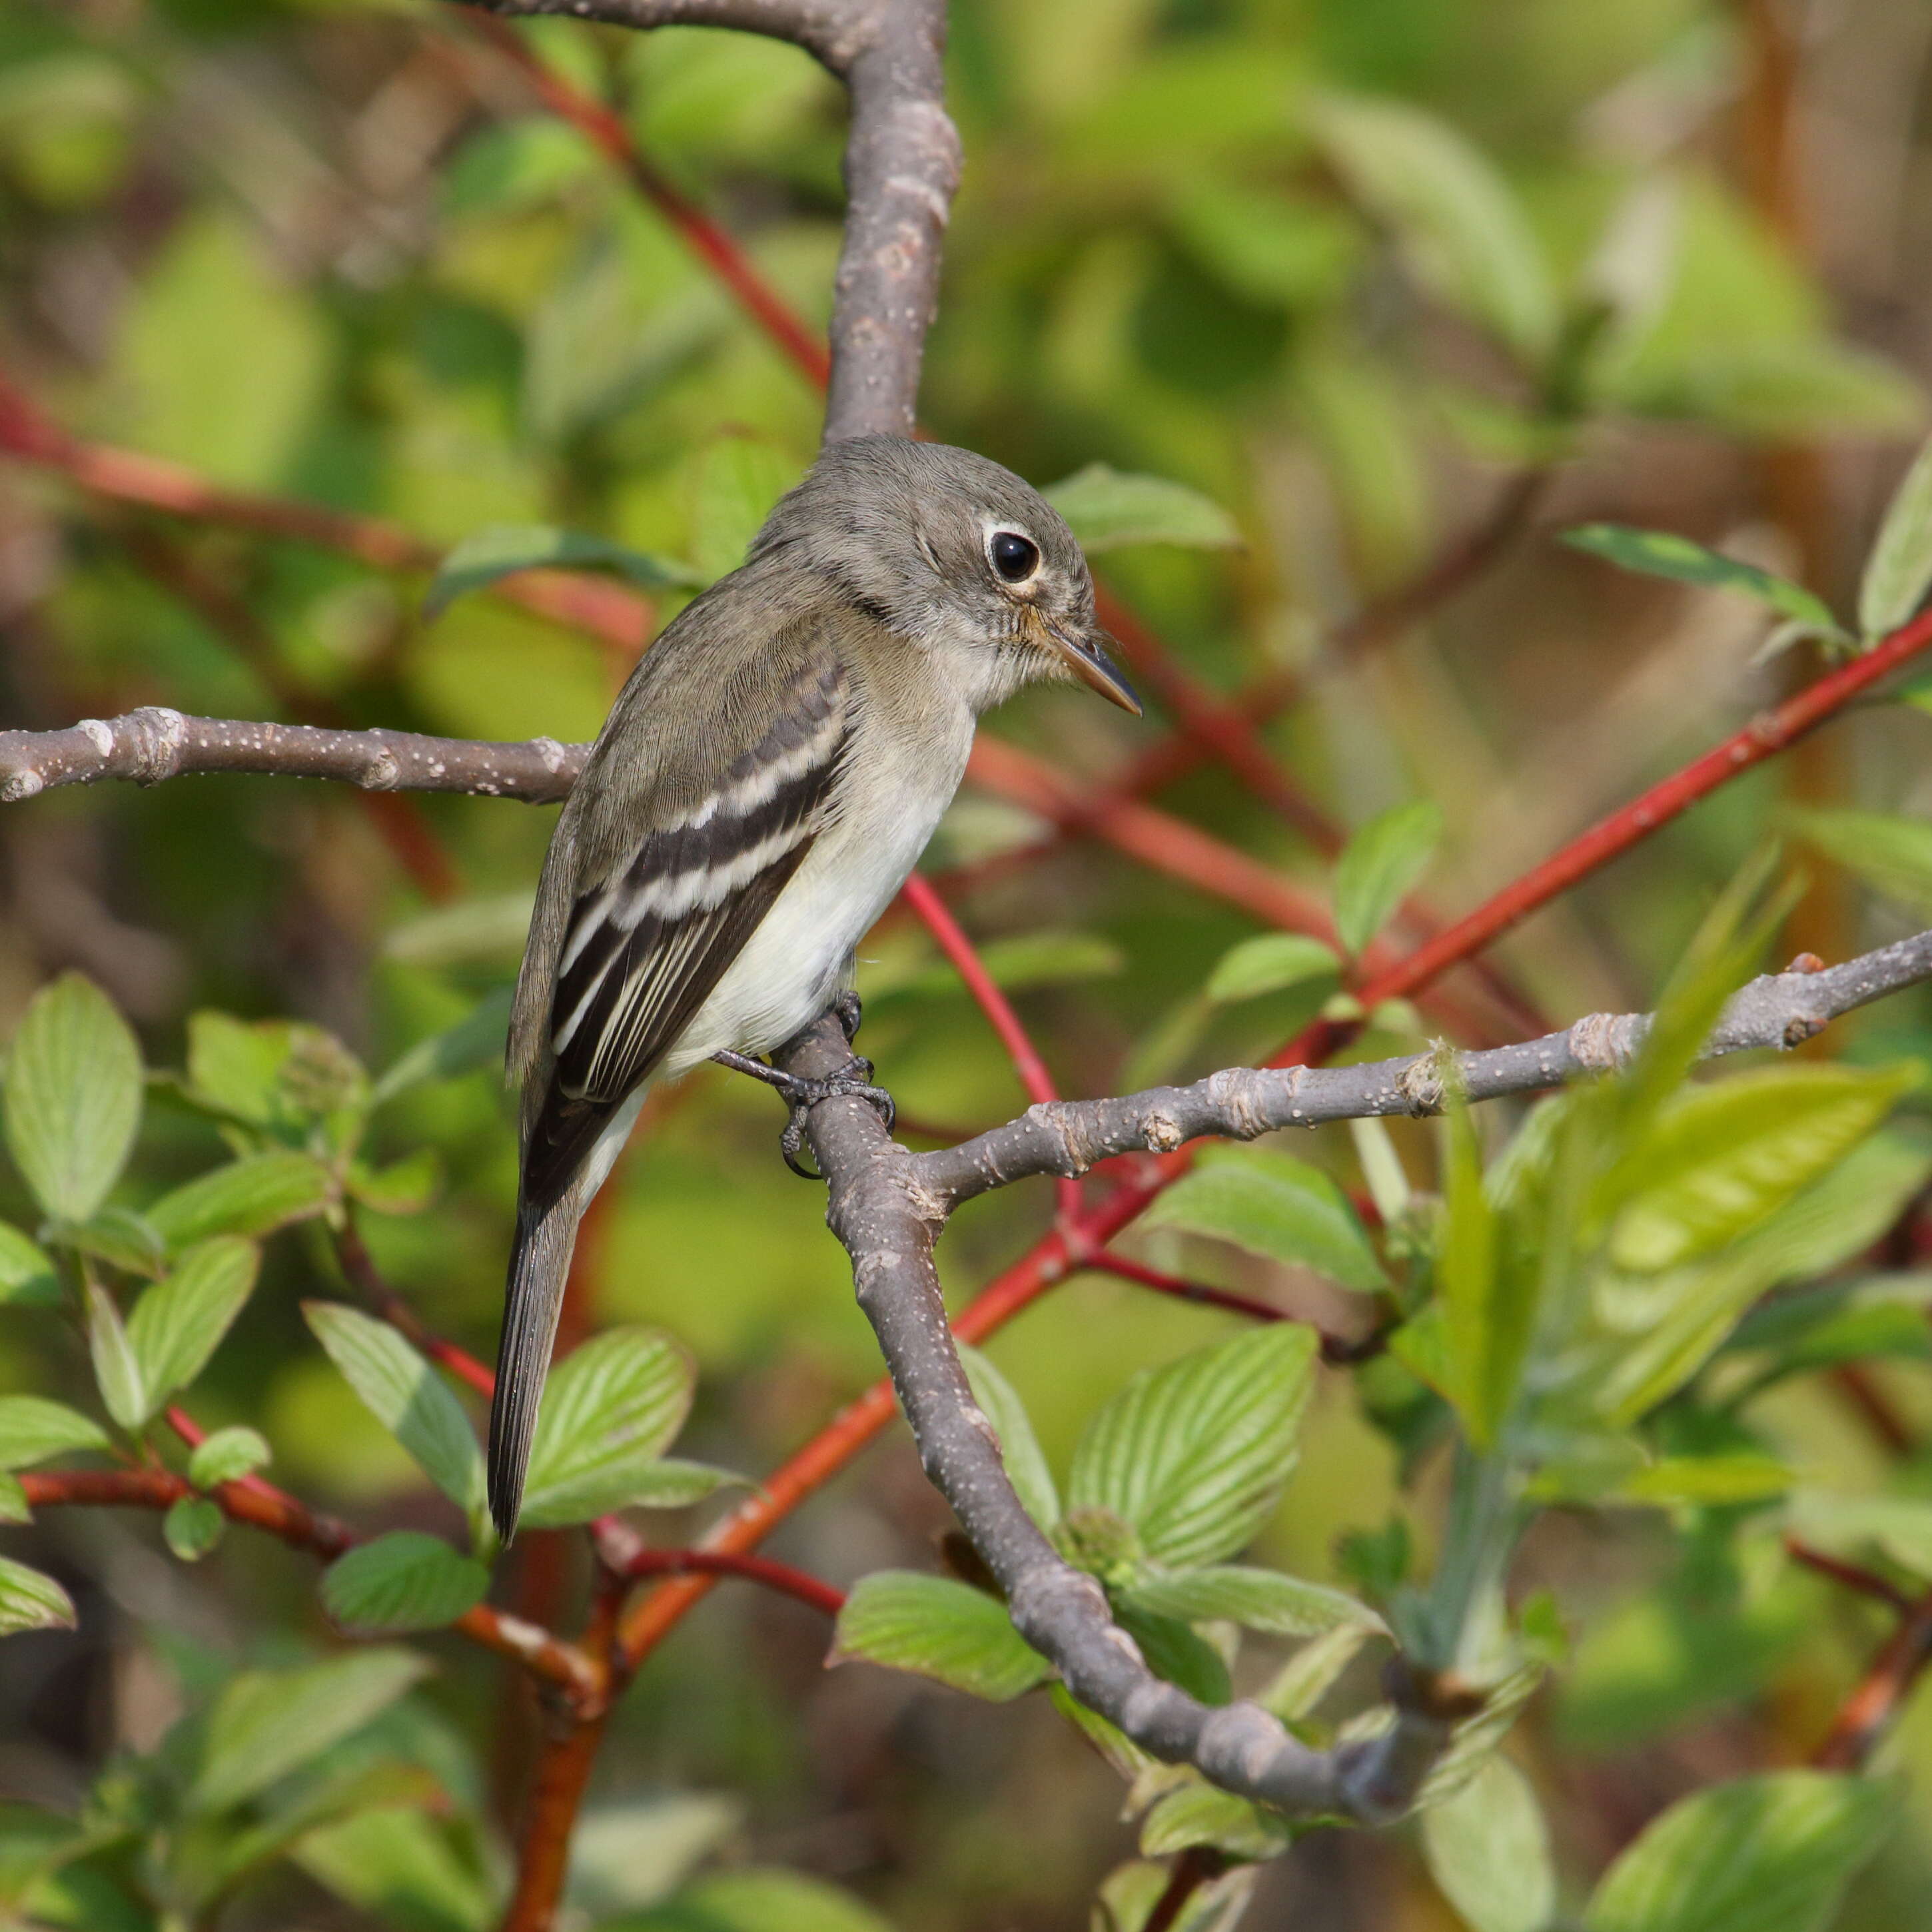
847	1011
853	1080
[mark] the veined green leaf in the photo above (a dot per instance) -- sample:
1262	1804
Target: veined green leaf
254	1195
1196	1812
1721	1158
400	1865
609	1410
1707	1481
406	1396
1768	1853
27	1277
1275	1206
117	1369
178	1324
1488	1848
32	1429
1892	855
1268	963
1259	1600
1019	1448
939	1629
1379	865
1898	572
488	556
476	1040
267	1723
1461	225
672	1482
1664	554
226	1457
1107	509
73	1094
403	1581
192	1527
30	1600
1193	1454
14	1507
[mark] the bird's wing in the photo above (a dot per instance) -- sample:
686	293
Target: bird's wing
647	940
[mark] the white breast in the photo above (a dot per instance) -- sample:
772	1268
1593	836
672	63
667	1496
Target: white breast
897	787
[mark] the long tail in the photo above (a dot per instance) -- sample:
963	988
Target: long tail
539	1265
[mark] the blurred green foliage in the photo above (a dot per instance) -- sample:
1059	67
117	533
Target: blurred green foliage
1332	273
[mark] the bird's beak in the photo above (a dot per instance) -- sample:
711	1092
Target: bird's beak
1085	655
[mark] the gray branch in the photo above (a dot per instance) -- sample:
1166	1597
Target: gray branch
1068	1137
155	743
888	1207
902	167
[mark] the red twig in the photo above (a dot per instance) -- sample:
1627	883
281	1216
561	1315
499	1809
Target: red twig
774	1576
1851	1576
359	1267
1863	1716
1610	838
1183	1290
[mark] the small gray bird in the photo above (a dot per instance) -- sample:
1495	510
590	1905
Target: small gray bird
764	784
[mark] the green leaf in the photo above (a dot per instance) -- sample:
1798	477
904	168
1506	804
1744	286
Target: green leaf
266	1723
1275	1206
1488	1848
1019	1448
939	1629
476	1040
1892	855
1721	1158
1379	865
226	1457
178	1324
1194	1453
1268	963
117	1369
29	1600
192	1527
488	556
14	1507
1488	1304
609	1410
1176	1652
670	1482
1704	1481
1768	1853
1898	572
1257	1600
1047	959
1313	1672
73	1093
487	931
739	481
1849	1524
406	1396
405	1186
27	1277
254	1195
118	1236
403	1581
399	1867
1664	554
32	1429
1461	226
1194	1812
1106	509
756	1900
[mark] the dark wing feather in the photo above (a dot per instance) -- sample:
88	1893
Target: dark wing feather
644	949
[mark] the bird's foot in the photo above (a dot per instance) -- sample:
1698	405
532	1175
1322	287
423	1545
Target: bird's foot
848	1012
852	1081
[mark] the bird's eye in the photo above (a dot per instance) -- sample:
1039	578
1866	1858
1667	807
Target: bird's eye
1014	557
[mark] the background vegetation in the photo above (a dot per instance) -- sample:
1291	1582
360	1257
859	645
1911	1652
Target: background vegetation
1369	279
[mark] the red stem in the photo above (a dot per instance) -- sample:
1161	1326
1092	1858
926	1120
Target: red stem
774	1576
1850	1575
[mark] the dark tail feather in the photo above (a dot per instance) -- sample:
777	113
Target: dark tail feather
539	1265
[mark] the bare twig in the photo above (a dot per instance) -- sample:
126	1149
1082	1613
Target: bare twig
1864	1717
782	1577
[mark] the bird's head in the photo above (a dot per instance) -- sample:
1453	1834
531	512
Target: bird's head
957	553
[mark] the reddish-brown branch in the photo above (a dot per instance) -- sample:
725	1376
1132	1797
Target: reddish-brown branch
1849	1576
563	1771
1863	1718
1126	1269
1198	1865
620	617
1610	838
359	1269
774	1576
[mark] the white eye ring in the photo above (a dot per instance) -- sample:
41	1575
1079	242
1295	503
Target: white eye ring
1014	555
